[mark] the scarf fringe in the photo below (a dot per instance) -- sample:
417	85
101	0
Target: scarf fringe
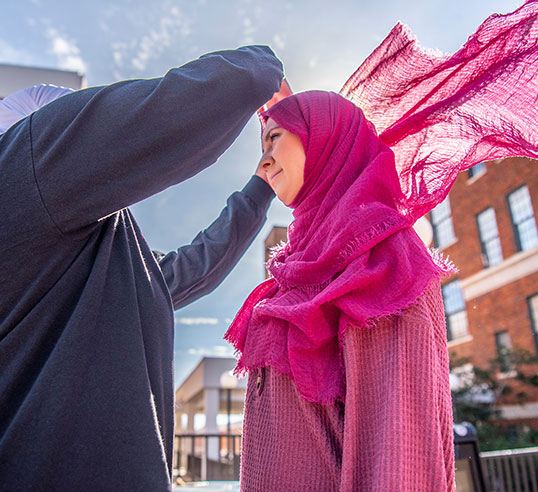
353	248
242	370
446	266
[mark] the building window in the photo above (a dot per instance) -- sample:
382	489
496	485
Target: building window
504	349
443	230
476	170
523	218
533	311
456	317
489	238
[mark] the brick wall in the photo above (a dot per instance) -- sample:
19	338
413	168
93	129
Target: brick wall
504	308
469	197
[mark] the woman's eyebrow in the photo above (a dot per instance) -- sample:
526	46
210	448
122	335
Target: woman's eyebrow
268	132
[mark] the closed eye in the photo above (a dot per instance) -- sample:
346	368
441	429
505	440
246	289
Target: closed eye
270	134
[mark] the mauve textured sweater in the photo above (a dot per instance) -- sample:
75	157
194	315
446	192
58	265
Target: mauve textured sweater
86	310
394	433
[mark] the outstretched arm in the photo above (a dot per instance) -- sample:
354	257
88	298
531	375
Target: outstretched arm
195	270
102	149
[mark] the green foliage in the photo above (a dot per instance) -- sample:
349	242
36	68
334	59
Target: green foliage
493	437
476	400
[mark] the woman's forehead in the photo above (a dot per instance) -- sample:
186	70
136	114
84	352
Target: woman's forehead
270	124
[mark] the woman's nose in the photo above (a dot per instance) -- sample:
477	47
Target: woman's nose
266	162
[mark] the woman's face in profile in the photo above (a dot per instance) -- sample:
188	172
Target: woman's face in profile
283	161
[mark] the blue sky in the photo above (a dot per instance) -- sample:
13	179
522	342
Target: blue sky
321	43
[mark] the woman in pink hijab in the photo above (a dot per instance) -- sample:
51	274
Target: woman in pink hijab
346	343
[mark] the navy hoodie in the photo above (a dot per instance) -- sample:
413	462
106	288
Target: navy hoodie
86	309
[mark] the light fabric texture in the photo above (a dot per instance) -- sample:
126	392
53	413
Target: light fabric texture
394	433
441	114
22	103
348	340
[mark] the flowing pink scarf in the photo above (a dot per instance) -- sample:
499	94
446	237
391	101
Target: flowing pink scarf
352	255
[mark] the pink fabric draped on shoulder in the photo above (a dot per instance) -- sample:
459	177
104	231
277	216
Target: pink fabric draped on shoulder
395	432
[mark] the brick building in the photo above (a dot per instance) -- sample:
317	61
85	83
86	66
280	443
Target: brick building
487	226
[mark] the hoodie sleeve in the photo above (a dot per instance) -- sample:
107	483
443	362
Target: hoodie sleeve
196	269
102	149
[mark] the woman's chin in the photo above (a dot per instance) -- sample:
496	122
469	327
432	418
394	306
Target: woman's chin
284	199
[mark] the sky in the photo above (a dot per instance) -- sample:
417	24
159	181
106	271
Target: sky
320	43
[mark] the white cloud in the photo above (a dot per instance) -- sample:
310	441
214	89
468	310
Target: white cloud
248	30
153	44
279	40
197	321
66	52
118	51
117	55
10	54
222	349
215	351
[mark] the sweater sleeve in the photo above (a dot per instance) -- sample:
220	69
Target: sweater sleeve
196	269
102	149
398	415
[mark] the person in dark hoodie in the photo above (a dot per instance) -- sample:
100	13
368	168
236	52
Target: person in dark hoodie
86	307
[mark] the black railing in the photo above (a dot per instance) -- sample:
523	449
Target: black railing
218	456
511	470
207	456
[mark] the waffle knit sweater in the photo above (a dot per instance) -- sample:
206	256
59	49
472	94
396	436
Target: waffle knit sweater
394	433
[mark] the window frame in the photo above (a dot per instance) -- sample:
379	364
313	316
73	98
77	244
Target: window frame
435	225
515	228
506	364
533	318
448	314
486	261
474	174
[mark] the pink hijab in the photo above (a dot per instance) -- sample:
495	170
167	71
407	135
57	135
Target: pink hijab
352	255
